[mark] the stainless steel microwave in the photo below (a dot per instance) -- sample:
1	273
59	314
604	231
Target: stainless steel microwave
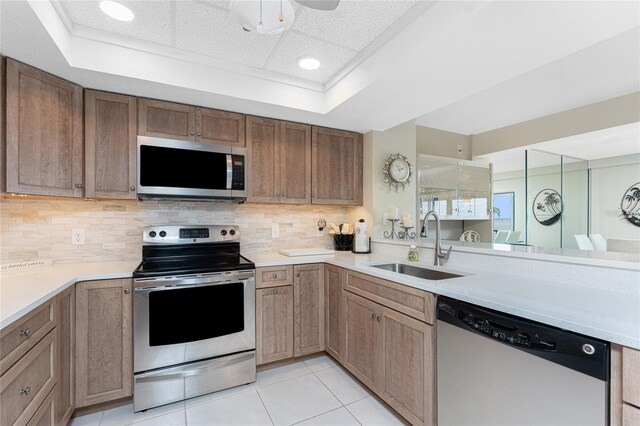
169	168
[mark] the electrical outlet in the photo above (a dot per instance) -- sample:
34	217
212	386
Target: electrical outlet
459	149
319	233
275	230
77	237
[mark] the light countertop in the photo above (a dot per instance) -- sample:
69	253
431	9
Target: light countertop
606	314
611	314
22	290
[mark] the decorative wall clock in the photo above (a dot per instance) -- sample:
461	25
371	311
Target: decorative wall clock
397	172
547	207
630	204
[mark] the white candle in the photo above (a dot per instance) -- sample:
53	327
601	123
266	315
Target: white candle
408	223
393	212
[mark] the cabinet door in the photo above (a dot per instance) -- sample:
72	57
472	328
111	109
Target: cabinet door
308	294
334	309
263	173
274	324
44	133
336	167
104	368
65	329
166	120
631	376
408	367
110	144
220	127
295	163
363	341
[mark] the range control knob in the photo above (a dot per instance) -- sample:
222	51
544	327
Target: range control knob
232	232
163	234
223	232
152	234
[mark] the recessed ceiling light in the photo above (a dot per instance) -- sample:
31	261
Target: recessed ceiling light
116	10
308	63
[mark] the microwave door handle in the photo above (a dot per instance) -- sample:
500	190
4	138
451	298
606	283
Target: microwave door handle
229	171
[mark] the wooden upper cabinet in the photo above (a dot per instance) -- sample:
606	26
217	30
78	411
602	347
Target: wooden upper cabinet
185	122
110	145
166	120
263	136
44	133
308	304
336	167
295	163
220	127
104	345
279	167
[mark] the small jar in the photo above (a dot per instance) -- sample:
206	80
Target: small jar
413	253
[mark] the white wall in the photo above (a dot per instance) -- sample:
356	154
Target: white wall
610	179
377	197
441	143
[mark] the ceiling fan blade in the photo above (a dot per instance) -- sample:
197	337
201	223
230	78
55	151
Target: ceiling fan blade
320	4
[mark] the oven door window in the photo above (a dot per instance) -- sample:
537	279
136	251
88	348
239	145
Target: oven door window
182	168
196	313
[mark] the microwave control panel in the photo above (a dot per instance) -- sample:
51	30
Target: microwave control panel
237	181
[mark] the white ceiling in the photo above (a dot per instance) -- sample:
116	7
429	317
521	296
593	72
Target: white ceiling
461	66
606	143
207	27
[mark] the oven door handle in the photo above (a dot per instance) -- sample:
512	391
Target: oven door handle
183	286
179	373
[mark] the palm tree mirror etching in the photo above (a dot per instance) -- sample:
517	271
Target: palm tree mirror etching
630	204
547	207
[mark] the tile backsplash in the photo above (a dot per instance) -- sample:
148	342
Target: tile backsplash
41	229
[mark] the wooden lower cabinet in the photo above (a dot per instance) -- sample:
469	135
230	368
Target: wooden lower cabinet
46	414
65	331
625	386
104	346
308	303
334	312
274	324
26	386
393	355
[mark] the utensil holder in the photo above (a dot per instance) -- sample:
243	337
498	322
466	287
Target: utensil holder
343	242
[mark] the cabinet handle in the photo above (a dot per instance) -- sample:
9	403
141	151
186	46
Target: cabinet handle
298	274
315	195
26	332
79	185
199	134
127	291
192	133
132	188
379	318
278	194
284	195
274	276
373	316
25	391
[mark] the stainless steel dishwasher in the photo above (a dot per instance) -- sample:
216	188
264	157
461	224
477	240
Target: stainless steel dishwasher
498	369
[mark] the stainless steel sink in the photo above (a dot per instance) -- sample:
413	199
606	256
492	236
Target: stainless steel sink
416	271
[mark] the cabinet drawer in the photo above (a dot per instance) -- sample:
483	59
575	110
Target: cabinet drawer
45	416
17	339
413	302
26	385
631	376
630	415
274	276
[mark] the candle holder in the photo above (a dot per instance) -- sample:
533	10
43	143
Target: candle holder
406	234
392	234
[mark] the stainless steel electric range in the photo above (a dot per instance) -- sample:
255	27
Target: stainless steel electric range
193	313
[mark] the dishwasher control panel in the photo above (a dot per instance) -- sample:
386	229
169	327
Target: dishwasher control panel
579	352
